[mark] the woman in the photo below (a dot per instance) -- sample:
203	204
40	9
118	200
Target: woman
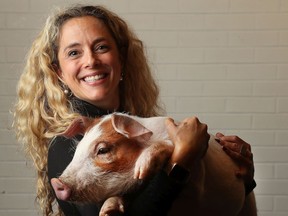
86	61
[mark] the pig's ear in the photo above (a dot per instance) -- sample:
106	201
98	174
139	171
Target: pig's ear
130	128
77	127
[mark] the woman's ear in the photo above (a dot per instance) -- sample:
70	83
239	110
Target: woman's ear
58	71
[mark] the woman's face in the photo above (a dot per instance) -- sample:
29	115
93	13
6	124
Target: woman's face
89	61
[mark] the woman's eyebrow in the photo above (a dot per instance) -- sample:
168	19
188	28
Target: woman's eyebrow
97	40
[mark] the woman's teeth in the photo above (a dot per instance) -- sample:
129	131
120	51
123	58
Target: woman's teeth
94	78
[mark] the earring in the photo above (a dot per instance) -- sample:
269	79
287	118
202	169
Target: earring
67	91
122	75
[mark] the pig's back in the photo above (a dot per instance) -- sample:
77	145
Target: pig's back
156	125
219	191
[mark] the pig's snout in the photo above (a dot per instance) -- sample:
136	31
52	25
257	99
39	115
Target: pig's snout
62	191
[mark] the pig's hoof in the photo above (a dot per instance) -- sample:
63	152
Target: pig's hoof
112	206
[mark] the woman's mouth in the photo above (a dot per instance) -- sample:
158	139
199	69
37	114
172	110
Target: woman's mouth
94	78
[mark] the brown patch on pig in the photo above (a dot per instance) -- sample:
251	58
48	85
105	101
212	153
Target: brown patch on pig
125	151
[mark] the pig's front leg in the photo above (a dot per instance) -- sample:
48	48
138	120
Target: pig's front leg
112	206
152	159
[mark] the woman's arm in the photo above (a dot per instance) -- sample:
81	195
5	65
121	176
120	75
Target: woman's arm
190	138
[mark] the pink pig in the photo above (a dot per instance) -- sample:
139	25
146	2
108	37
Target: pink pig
118	150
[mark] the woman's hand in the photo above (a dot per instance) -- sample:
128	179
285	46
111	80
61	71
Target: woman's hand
190	139
240	152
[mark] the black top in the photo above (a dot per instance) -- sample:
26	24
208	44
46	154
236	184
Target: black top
154	200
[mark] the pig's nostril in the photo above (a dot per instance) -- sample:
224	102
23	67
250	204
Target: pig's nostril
62	191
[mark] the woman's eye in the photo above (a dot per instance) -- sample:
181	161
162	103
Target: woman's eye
102	48
72	53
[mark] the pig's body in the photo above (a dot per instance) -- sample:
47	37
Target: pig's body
118	147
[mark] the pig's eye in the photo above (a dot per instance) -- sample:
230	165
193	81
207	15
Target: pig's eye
103	148
103	151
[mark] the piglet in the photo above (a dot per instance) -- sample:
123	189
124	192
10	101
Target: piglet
118	150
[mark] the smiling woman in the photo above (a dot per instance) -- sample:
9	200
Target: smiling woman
89	62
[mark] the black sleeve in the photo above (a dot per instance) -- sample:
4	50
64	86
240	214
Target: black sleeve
157	197
60	154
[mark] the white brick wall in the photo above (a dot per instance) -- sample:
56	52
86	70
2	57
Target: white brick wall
225	61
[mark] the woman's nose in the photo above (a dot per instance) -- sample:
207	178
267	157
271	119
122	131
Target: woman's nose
91	60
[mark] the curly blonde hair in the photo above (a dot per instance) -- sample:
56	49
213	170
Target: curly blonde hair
42	109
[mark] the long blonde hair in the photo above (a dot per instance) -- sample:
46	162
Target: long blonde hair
42	110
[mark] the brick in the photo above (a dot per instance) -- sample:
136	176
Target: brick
10	71
281	171
270	154
222	122
271	21
183	88
227	89
255	137
271	55
2	54
281	138
22	212
203	39
159	38
283	38
7	137
5	122
254	6
282	105
253	38
17	185
16	169
8	87
17	201
230	21
229	55
2	21
15	54
14	5
140	6
270	121
203	6
15	38
264	203
251	72
170	104
179	22
166	72
279	88
118	7
201	72
179	55
248	105
140	21
196	104
264	171
272	187
283	5
11	153
282	72
25	21
281	203
6	103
